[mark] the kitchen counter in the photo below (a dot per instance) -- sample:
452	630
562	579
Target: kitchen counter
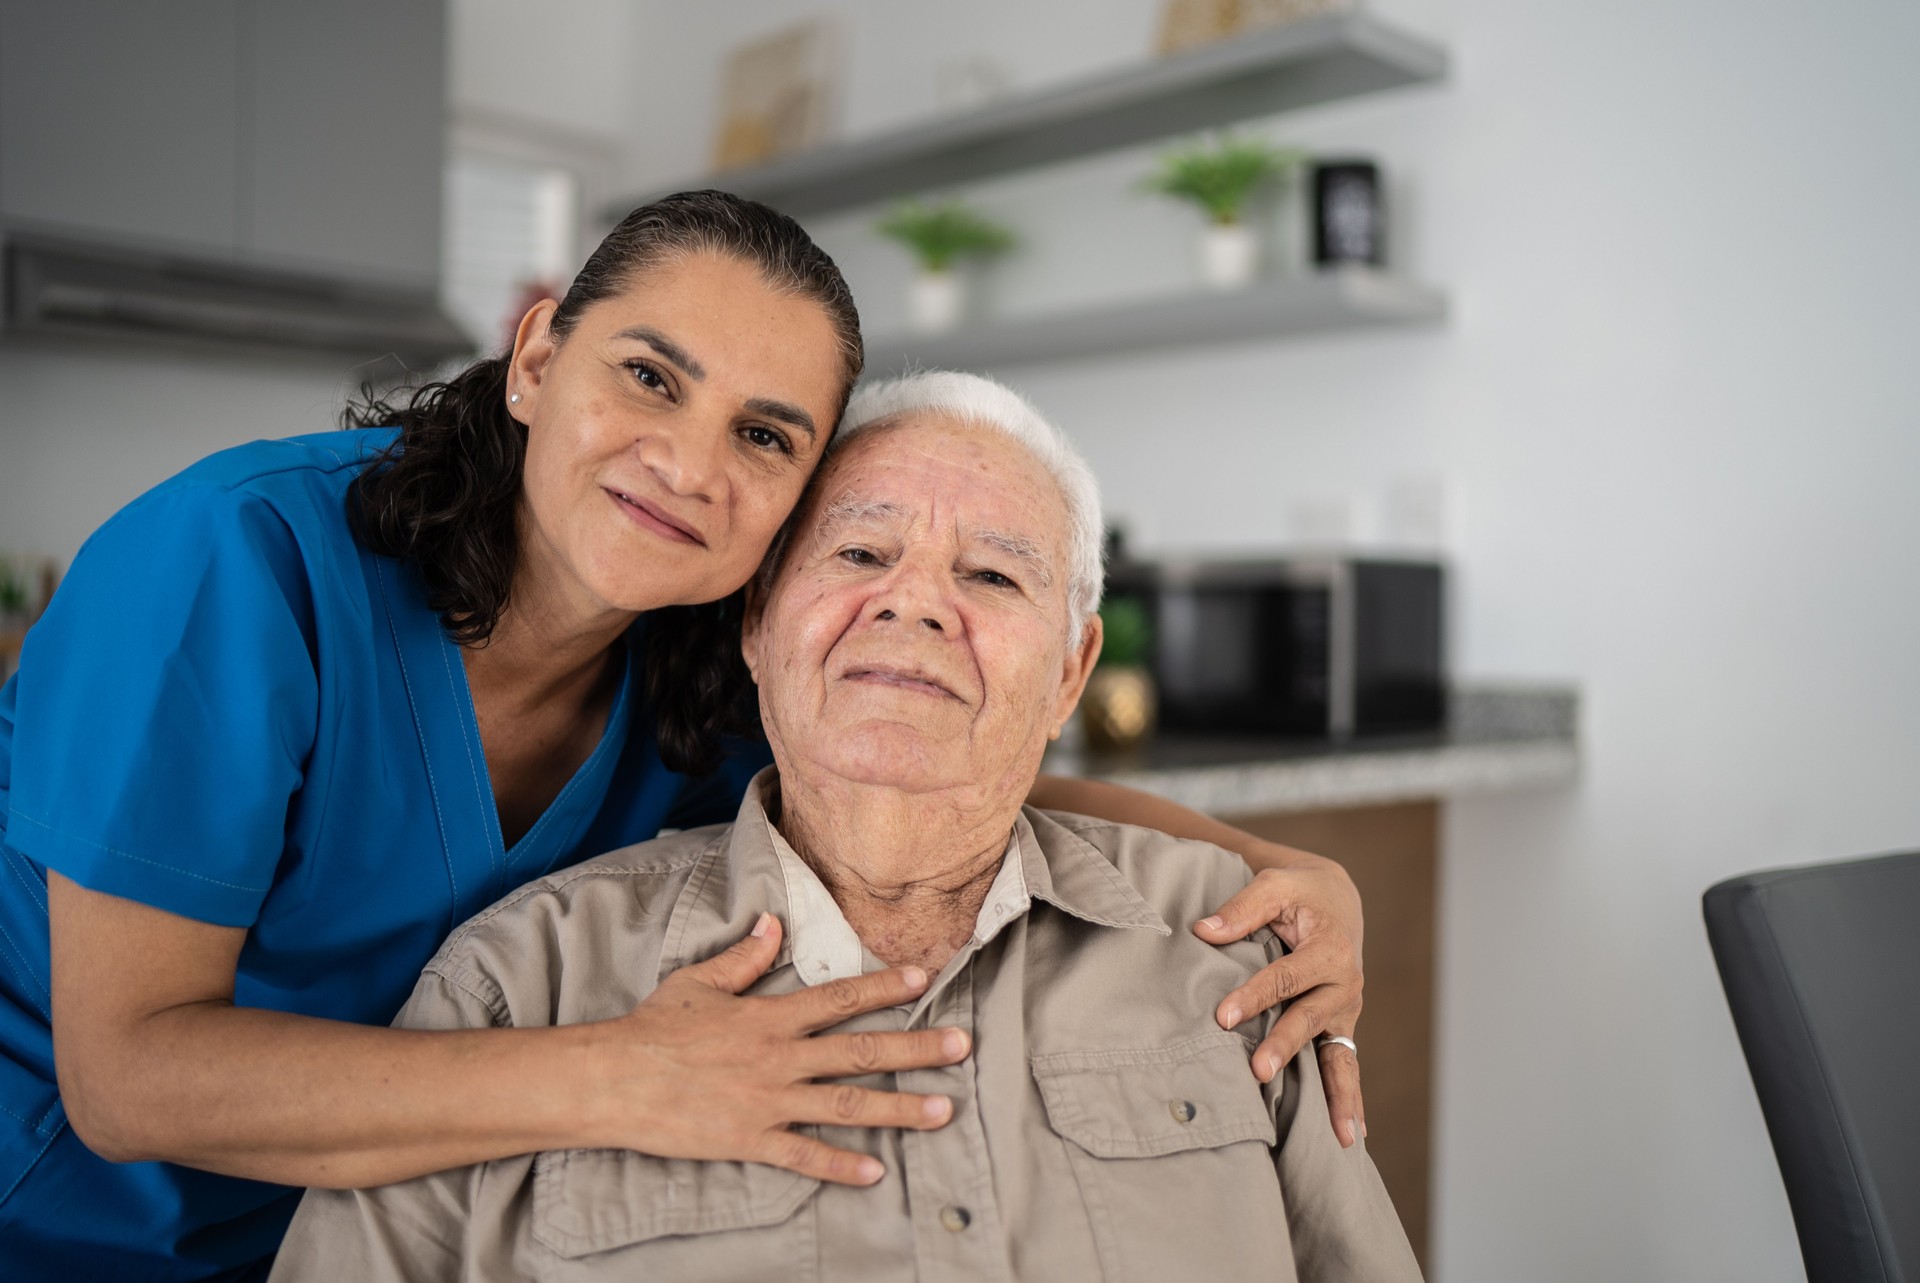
1500	739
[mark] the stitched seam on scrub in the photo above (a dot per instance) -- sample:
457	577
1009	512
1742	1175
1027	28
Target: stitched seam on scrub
14	860
39	1128
189	873
479	795
531	836
25	972
27	880
426	758
525	844
7	1193
568	789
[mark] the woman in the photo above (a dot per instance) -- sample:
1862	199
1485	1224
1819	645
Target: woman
929	625
299	711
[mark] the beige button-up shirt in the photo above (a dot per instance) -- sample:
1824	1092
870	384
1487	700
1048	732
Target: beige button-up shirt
1104	1127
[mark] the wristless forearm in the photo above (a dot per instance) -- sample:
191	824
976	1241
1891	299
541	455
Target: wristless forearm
300	1101
1130	806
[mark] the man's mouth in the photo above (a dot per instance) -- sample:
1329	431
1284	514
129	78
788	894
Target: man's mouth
906	679
652	517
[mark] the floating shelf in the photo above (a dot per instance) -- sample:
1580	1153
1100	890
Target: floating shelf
1340	299
1312	61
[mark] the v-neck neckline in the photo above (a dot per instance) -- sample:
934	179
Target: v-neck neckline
480	866
537	836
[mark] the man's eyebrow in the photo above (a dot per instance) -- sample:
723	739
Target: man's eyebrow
786	413
1022	548
665	347
852	510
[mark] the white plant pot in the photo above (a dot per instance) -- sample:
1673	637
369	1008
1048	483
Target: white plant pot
935	301
1229	256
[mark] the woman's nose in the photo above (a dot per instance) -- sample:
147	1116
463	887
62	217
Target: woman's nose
687	457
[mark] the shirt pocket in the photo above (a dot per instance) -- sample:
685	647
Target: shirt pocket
1166	1100
1172	1150
658	1215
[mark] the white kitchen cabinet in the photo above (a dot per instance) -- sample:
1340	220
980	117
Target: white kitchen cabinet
254	173
118	119
343	138
285	134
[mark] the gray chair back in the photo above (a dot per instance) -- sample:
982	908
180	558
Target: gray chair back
1821	967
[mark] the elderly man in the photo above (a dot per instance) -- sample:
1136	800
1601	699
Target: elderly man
925	631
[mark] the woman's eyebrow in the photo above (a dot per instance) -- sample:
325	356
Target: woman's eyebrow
665	347
786	413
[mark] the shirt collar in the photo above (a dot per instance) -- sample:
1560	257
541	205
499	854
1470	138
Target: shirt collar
756	869
1070	873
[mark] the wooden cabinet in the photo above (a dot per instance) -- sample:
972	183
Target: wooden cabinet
1392	855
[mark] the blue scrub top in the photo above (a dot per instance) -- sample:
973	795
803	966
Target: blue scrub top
234	712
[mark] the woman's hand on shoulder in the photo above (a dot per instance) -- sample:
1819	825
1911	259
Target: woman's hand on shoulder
1313	907
698	1071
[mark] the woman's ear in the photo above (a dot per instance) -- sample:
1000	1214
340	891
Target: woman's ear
750	628
1074	672
533	349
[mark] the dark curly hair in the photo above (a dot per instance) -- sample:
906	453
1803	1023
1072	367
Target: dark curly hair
445	495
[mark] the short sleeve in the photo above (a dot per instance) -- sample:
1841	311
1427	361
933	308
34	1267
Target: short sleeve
167	704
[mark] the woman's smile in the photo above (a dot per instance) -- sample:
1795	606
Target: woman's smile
652	518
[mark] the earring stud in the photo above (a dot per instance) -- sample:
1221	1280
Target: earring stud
514	399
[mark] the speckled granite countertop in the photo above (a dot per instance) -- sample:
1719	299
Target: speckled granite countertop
1500	739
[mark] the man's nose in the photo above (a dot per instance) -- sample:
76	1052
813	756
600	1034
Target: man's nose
916	593
687	456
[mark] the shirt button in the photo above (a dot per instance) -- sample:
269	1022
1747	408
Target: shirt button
955	1218
1183	1111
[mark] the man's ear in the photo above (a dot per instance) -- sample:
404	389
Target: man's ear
1074	672
533	349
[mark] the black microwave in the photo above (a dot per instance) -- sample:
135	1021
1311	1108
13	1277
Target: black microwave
1322	646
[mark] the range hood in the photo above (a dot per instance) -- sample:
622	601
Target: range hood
69	287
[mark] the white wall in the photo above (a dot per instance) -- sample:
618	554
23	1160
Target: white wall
1680	454
87	426
564	67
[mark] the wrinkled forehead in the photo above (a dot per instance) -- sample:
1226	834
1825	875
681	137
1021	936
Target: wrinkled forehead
983	482
908	460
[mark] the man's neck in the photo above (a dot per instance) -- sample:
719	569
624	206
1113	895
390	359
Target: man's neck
908	871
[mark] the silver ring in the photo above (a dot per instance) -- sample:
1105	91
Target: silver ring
1329	1040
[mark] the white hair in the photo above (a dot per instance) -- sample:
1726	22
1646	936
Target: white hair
982	402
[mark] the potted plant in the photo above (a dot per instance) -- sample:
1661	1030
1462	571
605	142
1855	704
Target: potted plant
14	601
1118	708
940	236
1219	176
13	593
